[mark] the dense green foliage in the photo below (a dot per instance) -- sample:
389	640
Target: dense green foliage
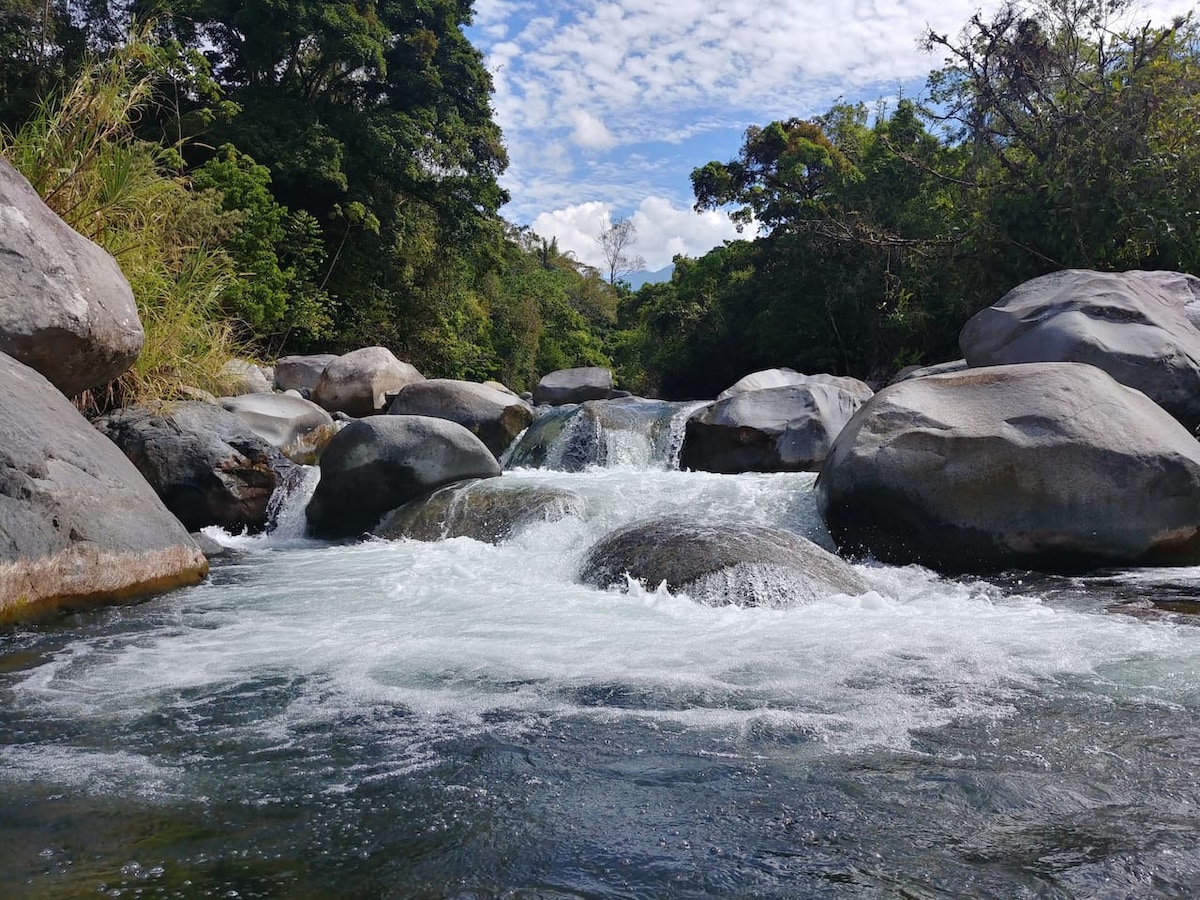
308	175
1051	138
347	154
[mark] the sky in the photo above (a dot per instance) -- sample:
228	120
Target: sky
607	107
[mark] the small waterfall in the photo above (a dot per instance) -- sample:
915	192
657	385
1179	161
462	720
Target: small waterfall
626	433
285	513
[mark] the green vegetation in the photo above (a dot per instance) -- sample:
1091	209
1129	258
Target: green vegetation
1052	137
327	179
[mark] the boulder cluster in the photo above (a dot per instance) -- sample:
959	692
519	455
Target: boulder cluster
1063	440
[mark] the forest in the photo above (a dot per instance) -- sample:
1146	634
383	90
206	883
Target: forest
295	176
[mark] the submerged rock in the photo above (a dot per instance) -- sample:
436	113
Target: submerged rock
492	510
66	309
205	463
720	564
375	465
1051	466
79	525
494	416
779	429
1139	327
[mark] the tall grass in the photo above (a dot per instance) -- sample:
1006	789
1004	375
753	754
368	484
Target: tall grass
81	153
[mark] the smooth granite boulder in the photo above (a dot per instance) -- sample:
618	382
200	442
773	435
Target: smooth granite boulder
1051	466
79	525
574	386
240	376
722	563
1139	327
945	368
779	429
777	378
491	510
66	309
495	417
205	463
279	419
301	373
358	383
377	464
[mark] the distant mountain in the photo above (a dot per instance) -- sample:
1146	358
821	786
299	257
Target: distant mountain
637	279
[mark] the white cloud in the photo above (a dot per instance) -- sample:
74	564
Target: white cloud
589	132
579	85
663	230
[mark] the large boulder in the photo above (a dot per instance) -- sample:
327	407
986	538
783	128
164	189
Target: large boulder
1139	327
65	308
358	383
943	368
574	386
241	376
784	377
375	465
78	524
719	564
301	373
279	419
491	510
780	429
495	417
208	467
1051	466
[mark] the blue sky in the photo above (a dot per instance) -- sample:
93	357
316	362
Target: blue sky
608	106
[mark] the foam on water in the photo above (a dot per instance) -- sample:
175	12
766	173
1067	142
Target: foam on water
458	635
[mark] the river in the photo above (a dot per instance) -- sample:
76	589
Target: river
465	720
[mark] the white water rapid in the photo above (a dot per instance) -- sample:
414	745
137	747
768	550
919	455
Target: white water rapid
308	670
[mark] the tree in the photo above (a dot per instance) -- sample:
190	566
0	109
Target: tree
614	241
1081	131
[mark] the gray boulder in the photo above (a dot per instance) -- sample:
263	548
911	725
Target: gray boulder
358	382
491	510
1139	327
495	417
779	429
79	526
572	437
777	378
301	373
945	368
240	376
281	420
375	465
720	564
1051	466
574	386
66	309
208	467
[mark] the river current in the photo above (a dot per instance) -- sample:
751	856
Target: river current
466	720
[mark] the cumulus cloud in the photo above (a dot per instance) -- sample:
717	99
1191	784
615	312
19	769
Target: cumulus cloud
589	132
663	230
577	85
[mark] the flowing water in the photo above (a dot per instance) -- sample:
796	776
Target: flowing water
458	719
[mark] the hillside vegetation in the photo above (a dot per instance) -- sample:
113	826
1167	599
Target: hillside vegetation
330	181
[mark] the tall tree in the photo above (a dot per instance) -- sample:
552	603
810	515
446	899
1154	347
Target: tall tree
1081	129
615	242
